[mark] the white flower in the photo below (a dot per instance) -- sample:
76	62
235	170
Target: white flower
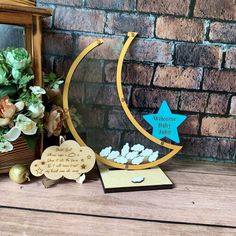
36	90
37	110
12	135
19	106
5	146
26	125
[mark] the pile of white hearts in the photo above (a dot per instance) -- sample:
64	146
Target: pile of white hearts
135	155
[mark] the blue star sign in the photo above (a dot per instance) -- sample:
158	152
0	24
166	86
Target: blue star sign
165	123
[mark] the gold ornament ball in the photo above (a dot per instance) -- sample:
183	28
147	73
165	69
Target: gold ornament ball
19	174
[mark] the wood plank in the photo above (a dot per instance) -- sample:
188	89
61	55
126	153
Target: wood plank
199	167
19	2
37	54
23	222
197	198
25	9
16	19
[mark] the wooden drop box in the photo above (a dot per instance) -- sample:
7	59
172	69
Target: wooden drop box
27	15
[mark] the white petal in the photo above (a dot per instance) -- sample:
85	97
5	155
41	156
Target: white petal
20	106
6	146
13	134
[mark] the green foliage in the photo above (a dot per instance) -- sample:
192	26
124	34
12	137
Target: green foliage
17	58
10	91
15	67
51	81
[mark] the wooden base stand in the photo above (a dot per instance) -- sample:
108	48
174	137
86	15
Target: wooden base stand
116	180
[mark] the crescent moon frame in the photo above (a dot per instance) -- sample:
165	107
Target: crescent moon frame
175	149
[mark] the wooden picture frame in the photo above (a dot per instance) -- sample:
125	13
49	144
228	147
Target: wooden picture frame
23	13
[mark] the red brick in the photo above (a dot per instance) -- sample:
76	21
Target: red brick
216	80
150	50
230	59
46	21
138	74
89	70
180	29
117	119
97	94
152	98
190	125
219	9
131	73
98	139
134	137
220	127
62	66
91	117
111	4
193	101
204	147
233	106
48	64
177	7
222	32
68	18
110	49
123	23
198	55
77	3
217	103
110	72
178	77
57	43
76	94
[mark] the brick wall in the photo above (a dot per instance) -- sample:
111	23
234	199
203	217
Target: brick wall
185	53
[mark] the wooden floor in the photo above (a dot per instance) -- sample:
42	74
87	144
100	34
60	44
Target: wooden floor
202	203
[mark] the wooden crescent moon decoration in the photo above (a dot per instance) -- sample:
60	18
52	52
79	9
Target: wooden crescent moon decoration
175	149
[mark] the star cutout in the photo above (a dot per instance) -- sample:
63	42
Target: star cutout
165	123
83	166
39	171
